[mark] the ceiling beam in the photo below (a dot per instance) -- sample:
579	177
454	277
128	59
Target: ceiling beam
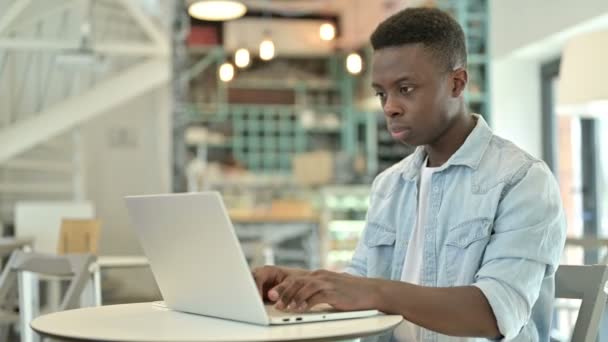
45	187
45	9
100	99
110	48
39	165
150	28
123	48
12	13
36	44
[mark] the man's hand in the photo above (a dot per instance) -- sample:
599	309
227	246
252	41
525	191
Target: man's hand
267	277
456	311
340	290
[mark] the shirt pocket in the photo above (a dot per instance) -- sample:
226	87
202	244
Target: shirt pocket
465	245
380	243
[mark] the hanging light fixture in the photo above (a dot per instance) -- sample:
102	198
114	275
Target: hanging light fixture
242	58
226	72
217	10
267	48
354	63
327	31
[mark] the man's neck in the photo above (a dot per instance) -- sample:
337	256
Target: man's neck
450	141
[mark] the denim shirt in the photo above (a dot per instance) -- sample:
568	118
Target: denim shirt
494	221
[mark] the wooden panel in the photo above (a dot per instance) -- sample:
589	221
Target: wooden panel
203	35
261	96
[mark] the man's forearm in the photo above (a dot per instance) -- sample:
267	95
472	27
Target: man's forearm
457	311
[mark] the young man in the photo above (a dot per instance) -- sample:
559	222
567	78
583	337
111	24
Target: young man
464	236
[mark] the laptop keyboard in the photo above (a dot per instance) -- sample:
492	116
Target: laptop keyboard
273	312
317	309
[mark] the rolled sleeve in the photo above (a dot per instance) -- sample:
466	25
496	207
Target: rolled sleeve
525	248
511	299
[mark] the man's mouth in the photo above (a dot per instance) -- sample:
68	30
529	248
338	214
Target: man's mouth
400	132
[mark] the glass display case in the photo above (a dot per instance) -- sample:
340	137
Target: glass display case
343	212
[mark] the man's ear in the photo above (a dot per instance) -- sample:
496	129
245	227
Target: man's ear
460	78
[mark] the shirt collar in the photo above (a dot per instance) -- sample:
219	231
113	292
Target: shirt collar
469	154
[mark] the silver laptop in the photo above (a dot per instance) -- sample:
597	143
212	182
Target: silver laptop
198	263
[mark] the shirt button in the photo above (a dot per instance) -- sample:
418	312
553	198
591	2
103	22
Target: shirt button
436	189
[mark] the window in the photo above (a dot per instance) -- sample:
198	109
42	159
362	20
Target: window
572	147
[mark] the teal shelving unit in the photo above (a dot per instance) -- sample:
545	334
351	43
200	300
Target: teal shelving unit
474	17
265	137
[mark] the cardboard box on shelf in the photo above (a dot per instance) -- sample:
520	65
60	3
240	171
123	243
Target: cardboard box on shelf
293	208
280	211
314	168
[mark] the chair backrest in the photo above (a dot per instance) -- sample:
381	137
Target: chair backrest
587	283
41	220
78	236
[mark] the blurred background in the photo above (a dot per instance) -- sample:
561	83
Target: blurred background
269	102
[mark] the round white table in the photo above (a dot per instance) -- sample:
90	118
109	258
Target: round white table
150	323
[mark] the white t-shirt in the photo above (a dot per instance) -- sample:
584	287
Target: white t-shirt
412	266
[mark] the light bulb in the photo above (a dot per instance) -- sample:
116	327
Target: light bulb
267	49
354	64
242	58
226	72
327	31
217	10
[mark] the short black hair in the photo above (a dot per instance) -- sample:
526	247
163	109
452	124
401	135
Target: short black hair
431	27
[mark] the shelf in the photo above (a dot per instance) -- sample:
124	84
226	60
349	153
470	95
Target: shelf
323	130
324	85
476	16
346	226
476	98
247	216
218	145
477	58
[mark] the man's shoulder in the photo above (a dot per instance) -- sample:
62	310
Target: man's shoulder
506	162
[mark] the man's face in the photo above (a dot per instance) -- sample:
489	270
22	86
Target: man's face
417	95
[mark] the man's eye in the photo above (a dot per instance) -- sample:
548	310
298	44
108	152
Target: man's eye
406	90
380	94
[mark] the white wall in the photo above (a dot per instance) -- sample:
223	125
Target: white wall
515	102
525	34
127	153
518	23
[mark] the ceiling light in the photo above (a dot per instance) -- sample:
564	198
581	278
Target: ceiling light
327	31
354	64
267	49
241	58
226	72
217	10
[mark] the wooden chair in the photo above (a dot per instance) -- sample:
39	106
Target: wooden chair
79	236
